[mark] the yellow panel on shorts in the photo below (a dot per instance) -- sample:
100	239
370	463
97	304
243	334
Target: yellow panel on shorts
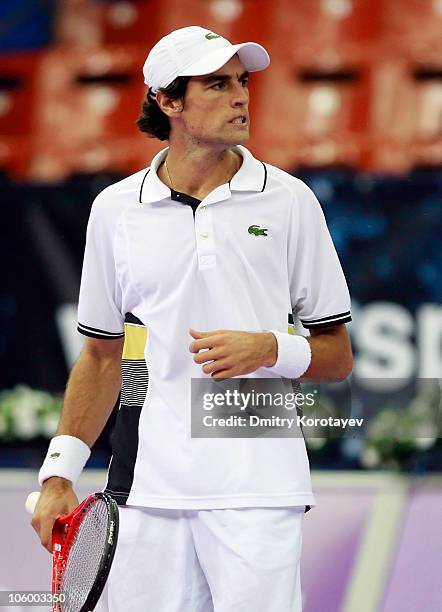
135	339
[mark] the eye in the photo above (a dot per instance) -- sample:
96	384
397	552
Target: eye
245	81
219	85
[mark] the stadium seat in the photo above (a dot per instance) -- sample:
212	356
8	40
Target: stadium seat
91	23
90	92
87	97
237	20
408	133
311	117
18	74
17	87
328	31
15	156
412	29
84	22
52	162
79	22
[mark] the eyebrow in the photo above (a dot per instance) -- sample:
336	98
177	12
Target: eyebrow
222	77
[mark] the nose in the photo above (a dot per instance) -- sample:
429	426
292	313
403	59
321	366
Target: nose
240	96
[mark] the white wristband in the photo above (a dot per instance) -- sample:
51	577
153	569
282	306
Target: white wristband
294	355
66	457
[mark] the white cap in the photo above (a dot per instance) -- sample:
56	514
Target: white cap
194	51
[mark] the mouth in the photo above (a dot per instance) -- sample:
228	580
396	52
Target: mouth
240	120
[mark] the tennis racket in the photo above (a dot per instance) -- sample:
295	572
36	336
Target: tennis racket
83	548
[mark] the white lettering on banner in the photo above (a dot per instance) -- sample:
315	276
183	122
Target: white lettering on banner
429	318
390	344
384	339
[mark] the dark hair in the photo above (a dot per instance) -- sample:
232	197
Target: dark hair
152	120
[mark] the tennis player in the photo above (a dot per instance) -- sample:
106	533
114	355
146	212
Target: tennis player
193	269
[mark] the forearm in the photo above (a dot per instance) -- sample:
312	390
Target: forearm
90	396
331	355
325	355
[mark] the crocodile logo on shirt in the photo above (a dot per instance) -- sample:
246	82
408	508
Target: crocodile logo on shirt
212	36
55	455
257	231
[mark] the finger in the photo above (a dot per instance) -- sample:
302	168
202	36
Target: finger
205	356
46	533
216	366
203	334
204	343
194	347
35	524
223	374
198	334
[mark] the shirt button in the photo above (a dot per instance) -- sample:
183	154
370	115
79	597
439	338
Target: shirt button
204	235
207	260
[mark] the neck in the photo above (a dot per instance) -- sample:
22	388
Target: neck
199	170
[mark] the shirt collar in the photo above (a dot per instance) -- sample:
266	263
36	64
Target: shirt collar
252	176
152	188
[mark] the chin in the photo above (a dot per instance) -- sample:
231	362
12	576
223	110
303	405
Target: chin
229	140
240	138
242	141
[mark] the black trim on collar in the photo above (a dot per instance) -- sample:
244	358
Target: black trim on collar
184	198
265	177
142	184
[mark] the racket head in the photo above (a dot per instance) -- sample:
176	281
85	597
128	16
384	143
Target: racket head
91	529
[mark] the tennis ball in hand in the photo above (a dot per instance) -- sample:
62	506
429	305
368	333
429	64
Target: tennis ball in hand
31	501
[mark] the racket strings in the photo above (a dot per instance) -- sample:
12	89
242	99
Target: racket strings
85	556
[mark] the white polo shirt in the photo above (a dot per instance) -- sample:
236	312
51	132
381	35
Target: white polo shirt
250	254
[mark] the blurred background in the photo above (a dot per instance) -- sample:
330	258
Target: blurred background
352	104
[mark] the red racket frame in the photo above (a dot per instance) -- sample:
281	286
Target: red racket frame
63	535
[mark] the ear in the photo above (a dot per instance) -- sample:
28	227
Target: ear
169	107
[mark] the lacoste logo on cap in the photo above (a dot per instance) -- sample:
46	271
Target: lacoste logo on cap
212	36
54	455
257	231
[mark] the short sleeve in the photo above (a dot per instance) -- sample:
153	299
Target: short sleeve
318	289
99	308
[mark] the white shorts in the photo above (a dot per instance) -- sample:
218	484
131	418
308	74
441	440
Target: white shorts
232	560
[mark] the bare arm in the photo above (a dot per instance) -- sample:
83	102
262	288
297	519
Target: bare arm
332	356
92	390
90	396
227	353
